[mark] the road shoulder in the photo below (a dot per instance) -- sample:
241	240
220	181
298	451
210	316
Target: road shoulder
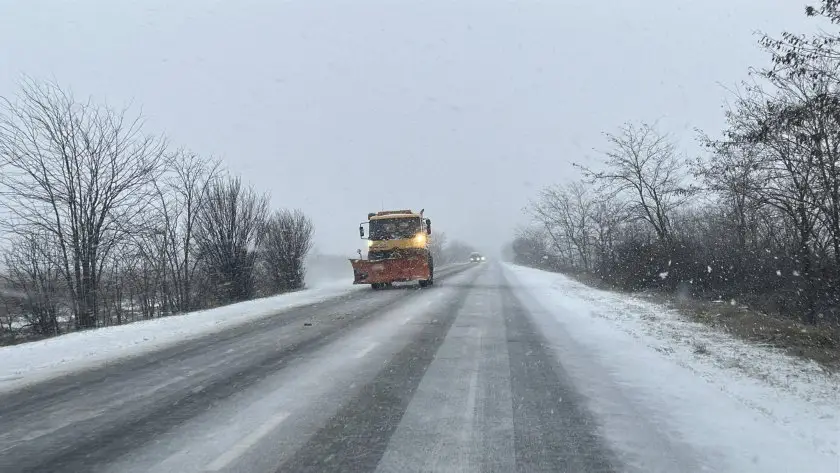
630	357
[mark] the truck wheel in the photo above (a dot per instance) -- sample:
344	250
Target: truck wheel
431	280
377	286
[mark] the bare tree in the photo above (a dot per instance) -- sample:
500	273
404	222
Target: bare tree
437	247
34	273
785	178
79	172
607	216
805	55
148	248
731	173
643	167
10	308
288	239
567	214
530	247
812	120
230	227
179	204
116	293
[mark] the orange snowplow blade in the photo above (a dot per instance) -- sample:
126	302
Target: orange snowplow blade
390	270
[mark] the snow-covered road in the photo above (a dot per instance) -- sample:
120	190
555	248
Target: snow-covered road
496	368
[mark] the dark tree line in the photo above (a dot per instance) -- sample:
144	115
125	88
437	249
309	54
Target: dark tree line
757	218
106	224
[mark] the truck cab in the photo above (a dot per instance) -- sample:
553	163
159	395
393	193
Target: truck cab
389	232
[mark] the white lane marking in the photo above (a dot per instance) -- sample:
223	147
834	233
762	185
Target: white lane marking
367	349
471	394
470	411
246	443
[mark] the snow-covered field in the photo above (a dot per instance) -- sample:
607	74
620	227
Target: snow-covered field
36	361
753	408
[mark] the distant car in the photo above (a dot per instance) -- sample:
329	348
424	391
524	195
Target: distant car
476	258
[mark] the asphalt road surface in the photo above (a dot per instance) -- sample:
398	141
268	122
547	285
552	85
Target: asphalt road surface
456	377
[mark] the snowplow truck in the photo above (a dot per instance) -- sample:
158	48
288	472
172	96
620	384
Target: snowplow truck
398	249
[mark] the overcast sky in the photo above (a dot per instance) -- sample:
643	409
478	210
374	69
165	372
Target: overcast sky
465	108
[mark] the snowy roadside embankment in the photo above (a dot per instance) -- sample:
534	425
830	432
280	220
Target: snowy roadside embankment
37	361
754	407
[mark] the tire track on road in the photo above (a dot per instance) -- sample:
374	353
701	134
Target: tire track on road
356	437
553	429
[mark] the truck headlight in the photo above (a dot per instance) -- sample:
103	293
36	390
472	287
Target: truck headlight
420	238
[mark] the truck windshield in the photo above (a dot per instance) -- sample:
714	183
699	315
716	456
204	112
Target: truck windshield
394	228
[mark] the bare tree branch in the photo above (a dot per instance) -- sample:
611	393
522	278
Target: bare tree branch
79	172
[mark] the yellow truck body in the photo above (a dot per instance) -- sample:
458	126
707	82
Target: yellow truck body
398	249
